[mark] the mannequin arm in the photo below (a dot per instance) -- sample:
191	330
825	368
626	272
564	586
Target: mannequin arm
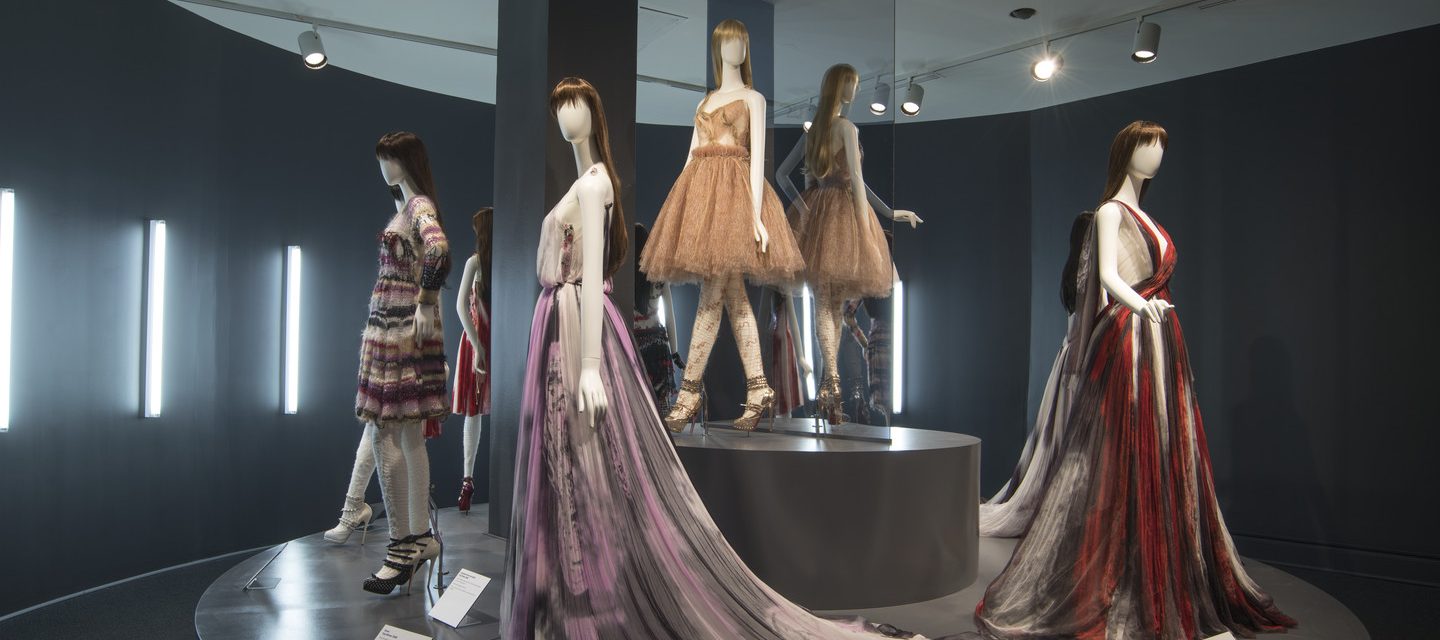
695	134
470	277
1107	246
594	194
756	102
435	257
435	254
786	170
670	333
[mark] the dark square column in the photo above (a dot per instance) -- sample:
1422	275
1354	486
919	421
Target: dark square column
542	41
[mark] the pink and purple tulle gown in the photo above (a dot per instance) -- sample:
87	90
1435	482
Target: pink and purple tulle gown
608	537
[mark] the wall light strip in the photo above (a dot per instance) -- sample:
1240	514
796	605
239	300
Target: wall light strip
808	321
7	282
897	357
155	320
292	329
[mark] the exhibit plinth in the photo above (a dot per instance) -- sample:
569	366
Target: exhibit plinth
839	523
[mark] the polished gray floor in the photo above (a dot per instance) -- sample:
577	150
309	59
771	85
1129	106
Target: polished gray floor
319	595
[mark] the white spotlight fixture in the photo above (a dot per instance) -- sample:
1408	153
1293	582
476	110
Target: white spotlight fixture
914	97
1047	66
1147	42
312	51
880	103
897	347
808	322
292	329
155	319
7	297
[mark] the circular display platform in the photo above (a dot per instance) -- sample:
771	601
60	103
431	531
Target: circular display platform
843	522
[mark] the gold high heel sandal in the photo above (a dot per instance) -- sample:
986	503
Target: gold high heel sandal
754	410
827	401
681	413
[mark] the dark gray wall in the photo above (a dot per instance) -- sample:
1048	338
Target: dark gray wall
115	115
1299	193
967	279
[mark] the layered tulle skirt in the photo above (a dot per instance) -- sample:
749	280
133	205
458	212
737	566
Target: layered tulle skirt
842	250
705	228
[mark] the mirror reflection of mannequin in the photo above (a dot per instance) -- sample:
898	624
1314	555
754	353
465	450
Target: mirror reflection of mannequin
401	397
847	255
655	340
471	398
722	224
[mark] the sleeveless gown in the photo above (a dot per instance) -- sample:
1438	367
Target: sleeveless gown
842	250
1128	540
608	537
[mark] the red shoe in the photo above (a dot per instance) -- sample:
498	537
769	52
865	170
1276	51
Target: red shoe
467	489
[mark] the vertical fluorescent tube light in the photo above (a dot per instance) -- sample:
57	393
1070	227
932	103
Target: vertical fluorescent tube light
292	329
897	346
806	306
155	320
7	280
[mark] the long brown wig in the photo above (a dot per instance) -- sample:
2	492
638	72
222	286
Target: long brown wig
407	149
483	222
820	144
1136	134
573	90
726	30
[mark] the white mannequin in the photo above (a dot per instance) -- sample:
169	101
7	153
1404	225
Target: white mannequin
407	441
732	87
589	200
1144	164
470	280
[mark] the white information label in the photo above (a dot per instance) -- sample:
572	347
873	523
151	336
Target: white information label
459	597
396	633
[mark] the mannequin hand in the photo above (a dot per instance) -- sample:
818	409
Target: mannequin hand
590	396
761	235
1155	310
906	215
427	322
479	362
805	368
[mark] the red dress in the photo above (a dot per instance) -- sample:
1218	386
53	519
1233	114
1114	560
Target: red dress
1128	540
472	390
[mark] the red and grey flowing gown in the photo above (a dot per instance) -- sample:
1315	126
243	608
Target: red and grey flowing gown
1128	541
608	538
472	388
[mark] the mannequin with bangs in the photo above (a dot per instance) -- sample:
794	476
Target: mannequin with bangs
721	226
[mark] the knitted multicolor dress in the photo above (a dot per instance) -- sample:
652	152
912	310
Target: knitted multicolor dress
399	381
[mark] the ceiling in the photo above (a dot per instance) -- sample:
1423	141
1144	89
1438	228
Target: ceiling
889	39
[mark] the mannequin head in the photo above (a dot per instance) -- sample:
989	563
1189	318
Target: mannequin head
482	223
574	121
403	160
583	115
730	46
836	89
1136	151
